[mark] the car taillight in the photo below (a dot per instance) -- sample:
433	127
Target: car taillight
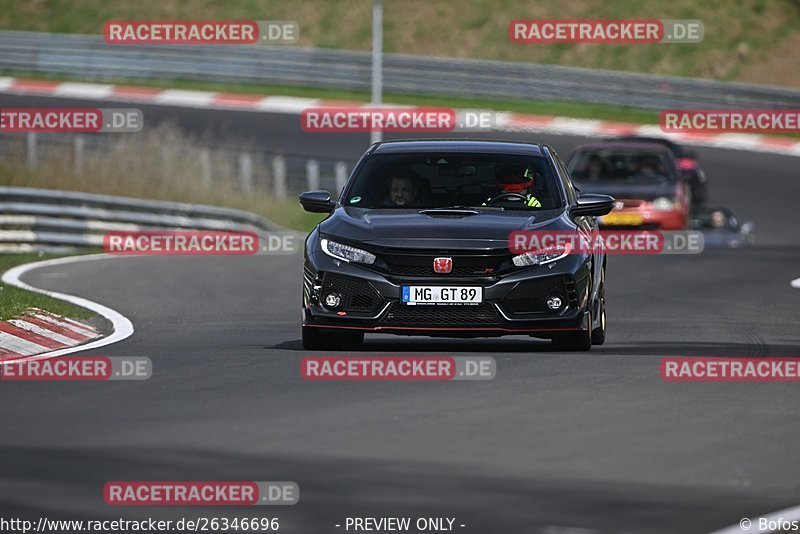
687	164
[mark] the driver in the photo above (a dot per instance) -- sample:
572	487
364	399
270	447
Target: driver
719	220
403	189
649	167
515	178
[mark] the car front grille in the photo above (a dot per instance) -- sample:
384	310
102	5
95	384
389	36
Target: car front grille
420	263
357	295
308	284
530	296
452	316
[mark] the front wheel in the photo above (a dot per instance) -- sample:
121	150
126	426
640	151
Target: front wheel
599	333
700	194
321	339
580	341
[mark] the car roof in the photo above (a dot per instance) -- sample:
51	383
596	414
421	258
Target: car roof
631	145
651	140
458	145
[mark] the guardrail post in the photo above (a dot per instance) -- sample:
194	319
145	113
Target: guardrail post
205	169
312	174
340	170
279	176
31	153
246	172
166	155
78	144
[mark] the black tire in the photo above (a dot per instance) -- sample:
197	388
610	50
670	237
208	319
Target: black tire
321	339
575	341
700	194
599	333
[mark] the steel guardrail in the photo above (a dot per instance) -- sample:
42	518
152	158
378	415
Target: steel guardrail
88	57
43	219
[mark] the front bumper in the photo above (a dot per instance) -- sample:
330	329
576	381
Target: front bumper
646	219
513	303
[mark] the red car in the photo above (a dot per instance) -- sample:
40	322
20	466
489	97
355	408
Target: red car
650	190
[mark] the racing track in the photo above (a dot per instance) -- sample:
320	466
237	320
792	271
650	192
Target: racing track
595	441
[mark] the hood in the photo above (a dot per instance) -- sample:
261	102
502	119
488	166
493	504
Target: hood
408	228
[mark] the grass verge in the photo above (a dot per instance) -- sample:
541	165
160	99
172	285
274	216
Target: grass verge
737	34
162	163
15	301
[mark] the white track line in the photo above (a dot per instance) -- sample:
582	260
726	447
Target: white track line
123	328
789	514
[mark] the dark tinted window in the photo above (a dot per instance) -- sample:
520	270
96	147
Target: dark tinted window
432	180
621	165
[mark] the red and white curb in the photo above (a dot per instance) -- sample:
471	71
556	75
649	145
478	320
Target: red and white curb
37	332
40	335
505	121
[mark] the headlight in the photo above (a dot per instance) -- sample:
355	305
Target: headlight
540	257
662	204
346	252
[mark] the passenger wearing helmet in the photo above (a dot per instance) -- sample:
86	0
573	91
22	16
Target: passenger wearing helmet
514	178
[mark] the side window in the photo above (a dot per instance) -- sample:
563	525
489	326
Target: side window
562	170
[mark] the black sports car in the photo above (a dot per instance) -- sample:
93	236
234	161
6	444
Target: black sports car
418	244
687	164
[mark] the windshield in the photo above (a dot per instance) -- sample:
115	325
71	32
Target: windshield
442	180
677	150
621	166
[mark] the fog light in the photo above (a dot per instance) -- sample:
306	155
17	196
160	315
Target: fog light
332	300
554	302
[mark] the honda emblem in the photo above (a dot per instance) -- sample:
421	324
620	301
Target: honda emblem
443	265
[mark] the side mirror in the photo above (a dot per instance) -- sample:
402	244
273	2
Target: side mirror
592	205
317	201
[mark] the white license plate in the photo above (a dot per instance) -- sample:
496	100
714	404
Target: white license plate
442	295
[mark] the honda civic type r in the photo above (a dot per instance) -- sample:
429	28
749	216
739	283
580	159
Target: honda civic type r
418	244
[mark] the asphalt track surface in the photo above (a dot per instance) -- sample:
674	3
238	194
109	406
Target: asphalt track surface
594	441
